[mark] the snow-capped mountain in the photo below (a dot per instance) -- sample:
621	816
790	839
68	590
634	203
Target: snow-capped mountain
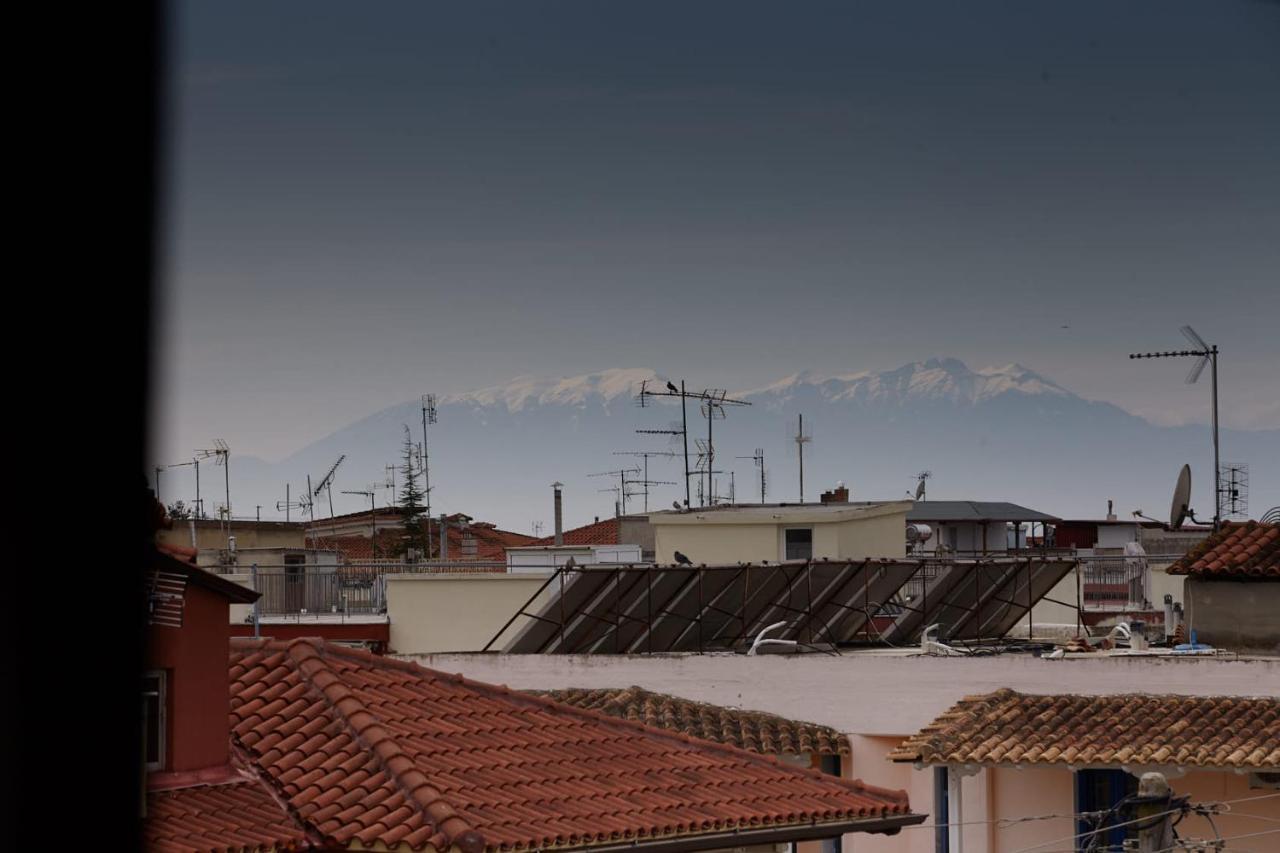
936	379
997	433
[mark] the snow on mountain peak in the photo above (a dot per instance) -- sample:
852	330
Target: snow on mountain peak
573	390
935	378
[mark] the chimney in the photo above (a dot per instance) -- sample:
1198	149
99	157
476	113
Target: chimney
444	536
559	540
838	495
1111	516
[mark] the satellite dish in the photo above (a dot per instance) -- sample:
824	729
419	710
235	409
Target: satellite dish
1181	498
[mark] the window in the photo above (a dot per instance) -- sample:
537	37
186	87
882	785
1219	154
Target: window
1100	791
153	719
830	764
799	543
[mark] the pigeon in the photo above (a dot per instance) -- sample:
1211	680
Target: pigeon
682	560
570	563
672	388
676	504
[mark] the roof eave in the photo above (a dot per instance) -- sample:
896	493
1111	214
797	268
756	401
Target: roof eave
889	825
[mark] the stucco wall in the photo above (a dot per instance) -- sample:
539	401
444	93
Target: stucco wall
442	613
717	543
1234	614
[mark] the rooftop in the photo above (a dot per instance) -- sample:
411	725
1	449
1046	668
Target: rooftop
768	734
600	533
375	751
241	813
974	511
1134	730
771	513
1248	550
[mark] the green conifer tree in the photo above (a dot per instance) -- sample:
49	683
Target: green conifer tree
412	499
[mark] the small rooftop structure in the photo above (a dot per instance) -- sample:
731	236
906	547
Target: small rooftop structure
975	511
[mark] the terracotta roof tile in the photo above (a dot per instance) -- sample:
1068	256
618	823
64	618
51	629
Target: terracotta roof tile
240	815
428	759
755	731
1248	550
599	533
1006	727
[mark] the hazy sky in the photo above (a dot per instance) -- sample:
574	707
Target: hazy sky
370	202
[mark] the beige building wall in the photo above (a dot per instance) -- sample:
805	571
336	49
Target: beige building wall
1234	614
751	535
454	613
248	534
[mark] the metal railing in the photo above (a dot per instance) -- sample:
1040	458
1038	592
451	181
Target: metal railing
349	589
1119	582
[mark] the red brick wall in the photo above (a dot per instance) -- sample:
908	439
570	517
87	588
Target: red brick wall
195	660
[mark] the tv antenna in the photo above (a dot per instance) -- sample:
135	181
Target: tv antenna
1234	477
1204	355
758	458
326	484
428	417
801	439
712	398
221	454
621	488
198	507
646	482
390	483
302	504
920	487
373	512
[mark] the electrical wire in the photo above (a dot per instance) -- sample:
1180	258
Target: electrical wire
1218	842
1091	832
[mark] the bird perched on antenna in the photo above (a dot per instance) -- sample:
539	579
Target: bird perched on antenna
682	560
672	388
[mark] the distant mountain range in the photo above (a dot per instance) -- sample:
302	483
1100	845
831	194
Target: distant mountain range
1003	433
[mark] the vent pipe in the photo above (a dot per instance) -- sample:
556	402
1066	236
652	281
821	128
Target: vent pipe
444	537
559	540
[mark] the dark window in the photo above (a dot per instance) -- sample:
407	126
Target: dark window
829	764
1102	791
153	720
799	542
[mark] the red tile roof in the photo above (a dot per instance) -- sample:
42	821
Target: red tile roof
1248	550
600	533
490	543
375	751
755	731
240	815
1009	728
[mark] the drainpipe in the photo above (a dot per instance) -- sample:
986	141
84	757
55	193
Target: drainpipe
559	539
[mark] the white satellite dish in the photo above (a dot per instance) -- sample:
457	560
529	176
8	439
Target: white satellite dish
1181	499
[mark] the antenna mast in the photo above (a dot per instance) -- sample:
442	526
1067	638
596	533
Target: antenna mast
221	454
326	484
373	513
428	417
646	482
1207	355
758	458
712	399
303	503
920	487
621	488
801	440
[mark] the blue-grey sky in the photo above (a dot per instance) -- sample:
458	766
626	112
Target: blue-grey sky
369	202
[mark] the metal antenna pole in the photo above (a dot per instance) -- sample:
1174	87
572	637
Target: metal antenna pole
1217	471
1208	356
684	425
199	503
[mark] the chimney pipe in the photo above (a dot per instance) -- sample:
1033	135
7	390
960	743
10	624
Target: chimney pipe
559	540
444	537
